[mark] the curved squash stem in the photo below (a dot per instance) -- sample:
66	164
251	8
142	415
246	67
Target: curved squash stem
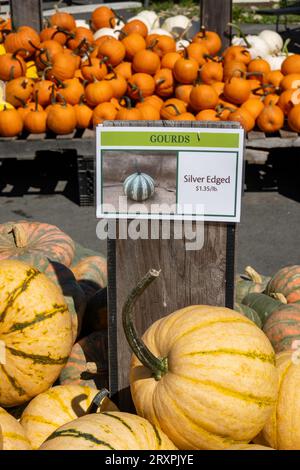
254	275
97	401
241	34
159	367
280	297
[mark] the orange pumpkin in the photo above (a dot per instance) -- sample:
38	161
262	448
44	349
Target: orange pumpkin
273	78
186	70
11	123
294	118
244	118
154	100
146	61
211	72
258	68
184	117
164	82
35	121
198	52
172	107
52	33
45	89
12	66
93	68
22	88
208	115
148	112
271	119
135	26
237	54
291	81
271	98
203	97
103	17
118	83
61	118
168	60
63	20
291	64
140	85
253	106
104	112
234	69
285	101
112	51
182	92
80	37
163	45
210	39
128	113
63	67
46	52
84	115
237	90
71	91
98	92
124	69
26	108
25	40
133	43
219	87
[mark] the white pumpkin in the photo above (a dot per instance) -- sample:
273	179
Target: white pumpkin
151	17
105	32
275	61
176	22
82	24
255	45
160	32
182	44
273	40
139	186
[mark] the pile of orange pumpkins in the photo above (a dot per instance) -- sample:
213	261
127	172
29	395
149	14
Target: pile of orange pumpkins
64	78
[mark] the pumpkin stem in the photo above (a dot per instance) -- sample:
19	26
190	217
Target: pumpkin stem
64	102
23	103
152	44
171	105
36	97
14	56
285	46
97	401
53	95
254	275
19	235
159	367
33	45
280	297
127	100
241	34
202	31
12	73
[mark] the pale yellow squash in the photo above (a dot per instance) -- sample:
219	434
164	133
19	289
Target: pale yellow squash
55	407
13	434
108	431
208	377
282	430
35	332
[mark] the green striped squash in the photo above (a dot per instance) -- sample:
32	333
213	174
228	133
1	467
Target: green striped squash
55	407
88	362
249	313
139	186
108	431
35	332
13	434
283	327
262	304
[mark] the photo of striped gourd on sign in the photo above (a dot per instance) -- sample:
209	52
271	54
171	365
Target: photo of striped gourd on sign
139	186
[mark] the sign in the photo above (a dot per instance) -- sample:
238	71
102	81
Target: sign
197	173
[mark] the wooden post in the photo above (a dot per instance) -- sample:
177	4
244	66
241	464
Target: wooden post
27	12
204	276
215	16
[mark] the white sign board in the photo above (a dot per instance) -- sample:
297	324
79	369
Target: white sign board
196	173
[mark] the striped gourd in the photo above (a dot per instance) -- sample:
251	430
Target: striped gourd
282	430
35	331
210	379
55	407
139	186
32	242
287	282
88	362
283	327
108	431
13	434
249	313
91	273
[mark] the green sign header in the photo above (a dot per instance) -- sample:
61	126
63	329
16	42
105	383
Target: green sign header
169	139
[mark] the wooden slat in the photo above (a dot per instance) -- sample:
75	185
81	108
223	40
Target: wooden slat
66	136
258	157
215	16
27	12
286	134
254	135
89	134
33	137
